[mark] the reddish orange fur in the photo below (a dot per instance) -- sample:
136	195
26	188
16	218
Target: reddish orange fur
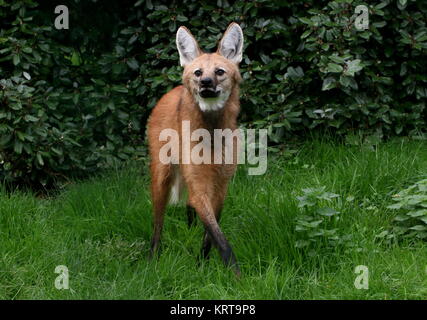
206	183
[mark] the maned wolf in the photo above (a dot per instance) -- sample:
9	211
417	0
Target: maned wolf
208	100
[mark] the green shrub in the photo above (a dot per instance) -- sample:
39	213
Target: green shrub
318	223
411	220
89	89
57	119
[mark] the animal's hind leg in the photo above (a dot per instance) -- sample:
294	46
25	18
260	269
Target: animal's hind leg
191	215
160	186
206	245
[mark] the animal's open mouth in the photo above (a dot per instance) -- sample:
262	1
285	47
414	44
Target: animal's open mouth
209	93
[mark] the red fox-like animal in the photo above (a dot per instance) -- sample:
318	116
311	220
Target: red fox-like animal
208	100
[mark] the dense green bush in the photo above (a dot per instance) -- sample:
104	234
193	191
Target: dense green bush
60	115
75	100
411	222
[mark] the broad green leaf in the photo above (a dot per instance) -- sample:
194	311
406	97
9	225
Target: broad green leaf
329	83
333	67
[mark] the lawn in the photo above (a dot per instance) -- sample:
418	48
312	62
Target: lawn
100	230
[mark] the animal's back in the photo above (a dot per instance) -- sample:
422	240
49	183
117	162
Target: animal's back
164	114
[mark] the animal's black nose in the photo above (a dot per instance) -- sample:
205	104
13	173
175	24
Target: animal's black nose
206	82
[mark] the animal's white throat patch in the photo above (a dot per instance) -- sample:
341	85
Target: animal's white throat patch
212	104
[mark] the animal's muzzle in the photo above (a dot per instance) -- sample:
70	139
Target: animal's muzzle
209	93
207	88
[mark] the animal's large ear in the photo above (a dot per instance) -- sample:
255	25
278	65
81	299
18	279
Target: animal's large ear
231	44
187	46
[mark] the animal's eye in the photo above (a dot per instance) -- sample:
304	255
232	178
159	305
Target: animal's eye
219	72
197	73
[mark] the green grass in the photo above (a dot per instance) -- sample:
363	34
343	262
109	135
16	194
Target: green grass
101	228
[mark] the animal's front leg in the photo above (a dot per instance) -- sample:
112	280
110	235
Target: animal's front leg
203	206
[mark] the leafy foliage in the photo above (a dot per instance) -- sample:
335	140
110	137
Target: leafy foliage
58	118
73	101
411	222
318	222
